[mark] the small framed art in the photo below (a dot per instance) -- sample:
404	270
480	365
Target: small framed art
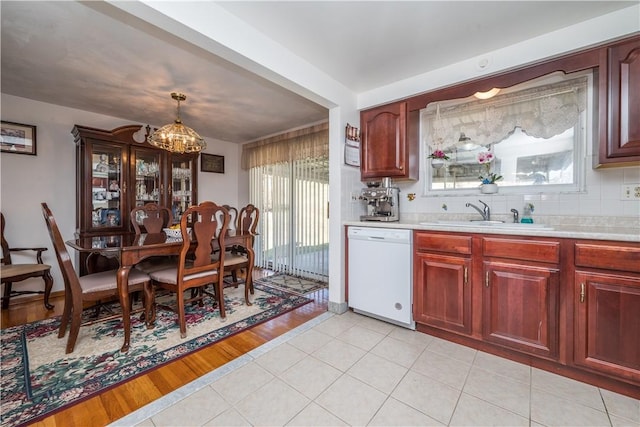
18	138
211	163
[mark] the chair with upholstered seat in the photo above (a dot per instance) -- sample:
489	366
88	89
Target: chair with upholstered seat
91	287
11	273
196	268
152	219
238	260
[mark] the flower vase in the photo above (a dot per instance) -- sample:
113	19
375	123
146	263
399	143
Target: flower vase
489	188
437	163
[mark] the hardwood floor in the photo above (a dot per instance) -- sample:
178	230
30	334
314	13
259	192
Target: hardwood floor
119	401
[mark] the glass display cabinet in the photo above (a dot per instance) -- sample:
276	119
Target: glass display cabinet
115	173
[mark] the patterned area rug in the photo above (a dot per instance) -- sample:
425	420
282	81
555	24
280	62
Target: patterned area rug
37	378
297	285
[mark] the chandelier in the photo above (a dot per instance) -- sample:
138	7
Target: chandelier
176	137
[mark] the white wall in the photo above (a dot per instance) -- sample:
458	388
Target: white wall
50	176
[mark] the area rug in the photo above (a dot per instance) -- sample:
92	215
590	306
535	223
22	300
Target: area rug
295	284
38	379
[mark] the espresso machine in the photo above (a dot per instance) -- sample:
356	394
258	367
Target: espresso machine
382	201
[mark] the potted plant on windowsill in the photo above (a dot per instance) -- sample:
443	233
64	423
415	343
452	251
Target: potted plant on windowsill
438	157
487	178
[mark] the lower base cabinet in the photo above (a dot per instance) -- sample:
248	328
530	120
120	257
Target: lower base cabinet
520	307
443	299
607	324
569	306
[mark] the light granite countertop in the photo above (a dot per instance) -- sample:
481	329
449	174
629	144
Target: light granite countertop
615	229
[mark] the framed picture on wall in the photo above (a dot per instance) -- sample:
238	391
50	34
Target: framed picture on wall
18	138
211	163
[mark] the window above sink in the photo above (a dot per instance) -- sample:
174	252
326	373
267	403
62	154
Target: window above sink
537	132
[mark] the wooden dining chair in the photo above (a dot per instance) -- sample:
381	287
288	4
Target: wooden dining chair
238	259
152	219
233	250
91	287
196	269
233	216
11	273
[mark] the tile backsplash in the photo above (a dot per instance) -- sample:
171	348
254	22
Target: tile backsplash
601	202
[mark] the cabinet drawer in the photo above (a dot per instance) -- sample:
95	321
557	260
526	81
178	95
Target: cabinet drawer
526	250
608	257
448	243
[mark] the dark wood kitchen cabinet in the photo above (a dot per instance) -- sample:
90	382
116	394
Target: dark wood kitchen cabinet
442	281
389	143
620	105
521	294
520	307
114	174
607	309
569	306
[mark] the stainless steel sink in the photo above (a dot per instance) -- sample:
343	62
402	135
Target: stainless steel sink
495	224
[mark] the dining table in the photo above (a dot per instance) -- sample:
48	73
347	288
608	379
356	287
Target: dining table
129	249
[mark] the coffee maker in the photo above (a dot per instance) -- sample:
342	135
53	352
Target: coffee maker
382	201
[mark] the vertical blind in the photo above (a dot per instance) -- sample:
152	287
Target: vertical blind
289	183
294	228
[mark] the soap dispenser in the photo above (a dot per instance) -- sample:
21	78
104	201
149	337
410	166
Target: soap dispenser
526	214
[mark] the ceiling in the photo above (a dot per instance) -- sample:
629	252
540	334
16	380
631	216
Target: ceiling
83	55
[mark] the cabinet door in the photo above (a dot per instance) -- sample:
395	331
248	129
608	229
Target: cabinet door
443	292
623	129
183	188
520	307
607	323
108	205
149	186
383	149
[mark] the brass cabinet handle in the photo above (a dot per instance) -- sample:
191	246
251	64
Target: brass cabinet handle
162	189
466	275
582	292
486	279
124	187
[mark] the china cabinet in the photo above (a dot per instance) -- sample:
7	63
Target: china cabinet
115	173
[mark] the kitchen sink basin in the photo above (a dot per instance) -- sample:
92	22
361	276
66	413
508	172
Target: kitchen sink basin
494	224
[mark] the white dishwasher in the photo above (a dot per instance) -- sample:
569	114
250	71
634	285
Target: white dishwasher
381	274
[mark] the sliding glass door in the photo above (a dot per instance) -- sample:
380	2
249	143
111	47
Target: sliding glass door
293	200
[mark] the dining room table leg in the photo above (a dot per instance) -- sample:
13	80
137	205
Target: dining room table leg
248	280
123	295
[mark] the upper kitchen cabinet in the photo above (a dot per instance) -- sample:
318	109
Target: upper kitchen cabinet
389	143
115	173
620	137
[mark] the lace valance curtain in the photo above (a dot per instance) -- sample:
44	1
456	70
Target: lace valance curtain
311	142
540	112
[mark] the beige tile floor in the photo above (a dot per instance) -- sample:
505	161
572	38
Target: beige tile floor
349	369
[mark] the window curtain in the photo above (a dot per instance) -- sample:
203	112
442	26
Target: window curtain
541	112
311	142
289	183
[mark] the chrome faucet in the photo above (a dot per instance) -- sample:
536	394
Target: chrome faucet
516	215
485	211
